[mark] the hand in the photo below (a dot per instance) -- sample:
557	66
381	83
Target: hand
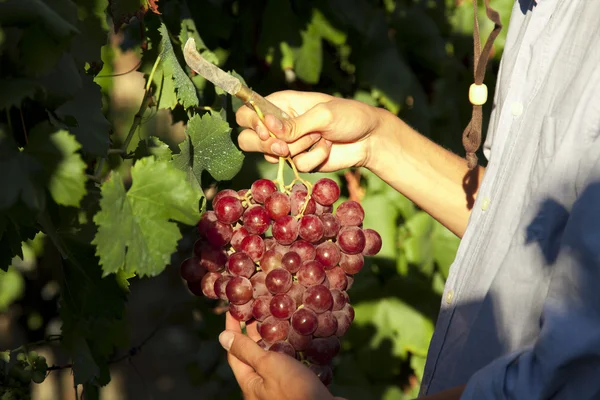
342	129
265	374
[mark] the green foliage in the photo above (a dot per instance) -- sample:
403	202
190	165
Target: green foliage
115	209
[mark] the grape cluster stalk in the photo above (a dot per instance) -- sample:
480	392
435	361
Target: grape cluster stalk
284	258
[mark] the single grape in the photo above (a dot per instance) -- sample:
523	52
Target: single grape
282	306
241	312
285	230
261	307
219	234
352	263
279	280
322	350
351	240
240	264
350	213
270	260
206	221
258	284
304	321
311	228
273	330
350	281
296	292
291	261
323	372
254	246
311	273
191	270
238	235
326	191
262	189
283	348
221	194
340	299
221	286
299	187
343	323
239	290
349	311
277	205
256	220
281	248
318	298
229	209
305	250
320	209
328	254
270	243
207	285
337	278
326	325
331	225
372	242
297	200
300	342
212	258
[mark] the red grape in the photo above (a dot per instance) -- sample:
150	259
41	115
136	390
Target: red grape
296	292
327	324
237	237
311	228
256	220
254	246
270	260
326	191
311	273
337	278
304	321
340	299
239	290
322	350
206	221
208	284
291	261
279	280
258	284
282	306
352	263
350	213
273	329
211	258
221	194
277	205
283	348
297	200
351	240
318	298
261	189
300	342
191	270
285	229
241	312
323	372
305	250
261	307
229	209
372	242
328	254
241	264
221	286
331	225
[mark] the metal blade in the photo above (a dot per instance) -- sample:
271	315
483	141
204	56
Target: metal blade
210	72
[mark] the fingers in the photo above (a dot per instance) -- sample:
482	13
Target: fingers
316	120
250	142
244	373
308	161
252	331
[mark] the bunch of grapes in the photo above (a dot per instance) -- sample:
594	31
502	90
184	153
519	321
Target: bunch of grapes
285	260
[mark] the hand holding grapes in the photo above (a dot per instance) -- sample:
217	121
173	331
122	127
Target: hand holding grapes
266	374
341	128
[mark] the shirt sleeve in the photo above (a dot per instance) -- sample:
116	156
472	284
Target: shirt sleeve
564	362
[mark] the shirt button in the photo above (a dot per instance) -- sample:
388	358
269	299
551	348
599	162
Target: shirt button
516	108
485	203
449	296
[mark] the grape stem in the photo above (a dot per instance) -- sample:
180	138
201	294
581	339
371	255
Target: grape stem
280	181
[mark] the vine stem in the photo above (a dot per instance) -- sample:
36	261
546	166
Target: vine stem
280	181
137	119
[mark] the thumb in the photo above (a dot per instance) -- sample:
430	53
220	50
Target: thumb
316	119
242	347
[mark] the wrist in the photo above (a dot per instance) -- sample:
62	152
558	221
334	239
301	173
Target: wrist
384	141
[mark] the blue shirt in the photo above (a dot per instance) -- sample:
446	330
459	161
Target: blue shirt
520	315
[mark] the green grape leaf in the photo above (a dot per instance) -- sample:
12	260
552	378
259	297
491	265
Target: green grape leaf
36	13
92	24
309	57
208	146
183	85
326	30
135	228
155	147
67	183
406	328
121	11
92	127
12	285
15	90
13	232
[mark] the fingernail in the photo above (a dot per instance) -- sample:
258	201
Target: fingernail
314	137
276	148
261	131
328	143
226	339
277	124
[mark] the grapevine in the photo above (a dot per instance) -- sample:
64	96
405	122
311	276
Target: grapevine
280	255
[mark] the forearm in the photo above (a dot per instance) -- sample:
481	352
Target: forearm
429	175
